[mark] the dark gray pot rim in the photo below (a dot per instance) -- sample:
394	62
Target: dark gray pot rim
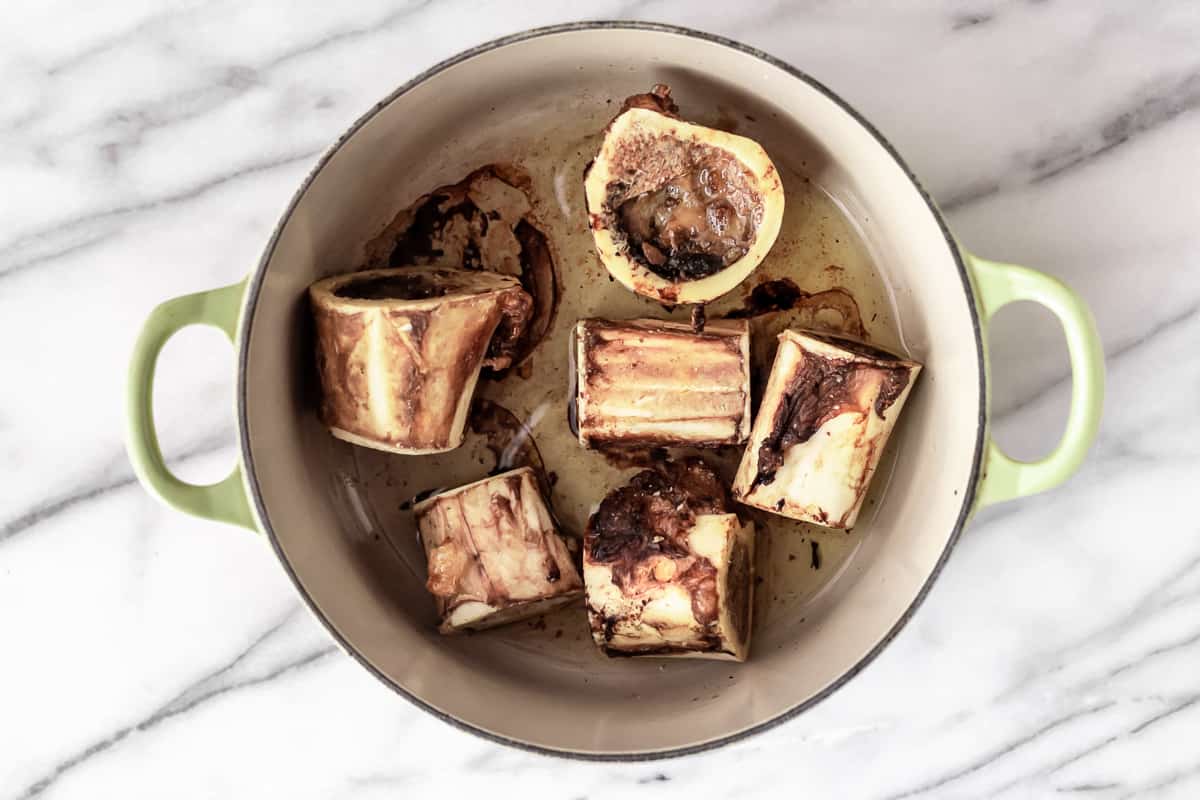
251	300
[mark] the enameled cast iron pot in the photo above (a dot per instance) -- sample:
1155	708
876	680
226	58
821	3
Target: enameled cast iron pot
544	83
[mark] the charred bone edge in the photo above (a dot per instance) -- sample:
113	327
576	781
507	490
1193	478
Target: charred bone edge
613	250
460	323
492	567
676	633
671	410
824	479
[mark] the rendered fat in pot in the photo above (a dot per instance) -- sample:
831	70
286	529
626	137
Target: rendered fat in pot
679	212
653	382
486	222
827	411
494	554
399	351
669	571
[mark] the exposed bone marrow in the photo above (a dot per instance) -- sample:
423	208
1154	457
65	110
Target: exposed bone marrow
668	569
679	212
827	411
487	222
695	224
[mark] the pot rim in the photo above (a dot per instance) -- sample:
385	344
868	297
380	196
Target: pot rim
251	300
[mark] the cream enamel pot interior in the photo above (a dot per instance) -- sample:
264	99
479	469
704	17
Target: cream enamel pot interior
534	97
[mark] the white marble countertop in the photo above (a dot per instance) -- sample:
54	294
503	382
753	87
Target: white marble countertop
146	150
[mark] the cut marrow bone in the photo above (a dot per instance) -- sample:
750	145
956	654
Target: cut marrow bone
679	212
668	571
653	382
399	351
494	554
827	411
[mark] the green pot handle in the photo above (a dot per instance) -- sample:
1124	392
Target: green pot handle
1004	478
224	501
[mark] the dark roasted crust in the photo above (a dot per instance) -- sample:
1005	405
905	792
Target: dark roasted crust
640	545
741	575
652	515
413	337
415	237
782	294
657	99
820	389
705	644
393	287
516	308
539	277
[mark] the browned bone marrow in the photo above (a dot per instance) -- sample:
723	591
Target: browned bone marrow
486	221
679	212
399	351
648	382
494	554
829	406
669	570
